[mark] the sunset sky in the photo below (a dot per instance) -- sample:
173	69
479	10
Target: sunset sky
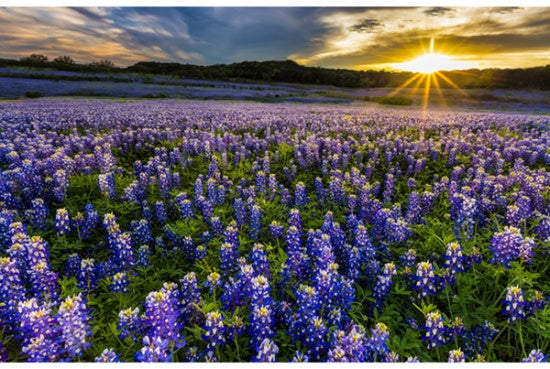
355	38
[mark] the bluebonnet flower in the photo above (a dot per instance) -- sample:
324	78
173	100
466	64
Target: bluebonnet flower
286	198
216	226
383	285
261	325
514	304
389	188
352	203
108	356
412	359
352	262
130	324
141	231
319	190
267	351
39	213
144	253
414	209
336	192
240	211
475	257
61	182
213	280
192	354
160	212
295	219
206	208
44	281
352	221
520	211
315	337
398	230
537	302
526	250
276	230
62	221
535	356
476	339
122	251
91	220
348	347
293	240
435	329
106	184
542	230
300	195
300	357
456	356
73	317
377	343
426	281
119	283
87	277
261	181
3	354
255	222
214	335
72	266
408	259
162	316
186	209
463	211
259	260
200	252
228	258
457	328
391	357
507	245
38	327
190	295
363	243
79	223
211	190
154	350
454	262
146	212
110	223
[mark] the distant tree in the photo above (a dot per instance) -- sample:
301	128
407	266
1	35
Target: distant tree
64	59
35	58
103	64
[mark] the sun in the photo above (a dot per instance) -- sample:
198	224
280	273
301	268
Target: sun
429	63
432	62
429	72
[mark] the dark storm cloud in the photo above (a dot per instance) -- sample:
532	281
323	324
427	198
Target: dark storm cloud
438	11
367	26
506	10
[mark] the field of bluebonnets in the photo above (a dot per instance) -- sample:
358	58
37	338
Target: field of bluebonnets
219	231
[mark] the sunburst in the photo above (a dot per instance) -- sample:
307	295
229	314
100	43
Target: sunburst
428	68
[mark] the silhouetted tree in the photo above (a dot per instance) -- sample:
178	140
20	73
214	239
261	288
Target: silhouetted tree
64	59
103	64
35	58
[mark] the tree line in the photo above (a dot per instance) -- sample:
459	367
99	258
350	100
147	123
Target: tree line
292	72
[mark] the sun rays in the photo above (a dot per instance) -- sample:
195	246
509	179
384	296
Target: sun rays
429	74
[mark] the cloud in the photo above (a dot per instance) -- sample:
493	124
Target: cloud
331	37
438	11
506	10
369	25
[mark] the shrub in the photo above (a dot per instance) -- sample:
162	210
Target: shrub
33	94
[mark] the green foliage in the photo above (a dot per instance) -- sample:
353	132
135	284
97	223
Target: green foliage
33	94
